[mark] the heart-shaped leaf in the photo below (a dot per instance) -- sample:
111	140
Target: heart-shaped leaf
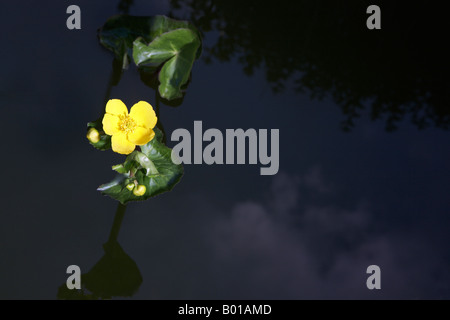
176	50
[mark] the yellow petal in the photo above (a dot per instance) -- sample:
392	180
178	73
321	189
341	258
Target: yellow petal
141	135
116	107
110	124
144	115
121	145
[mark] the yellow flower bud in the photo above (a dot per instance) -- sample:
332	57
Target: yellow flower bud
130	186
93	135
139	190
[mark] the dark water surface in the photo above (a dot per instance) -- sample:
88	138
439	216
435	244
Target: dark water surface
351	191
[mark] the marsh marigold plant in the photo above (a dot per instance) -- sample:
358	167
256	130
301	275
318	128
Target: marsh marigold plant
161	48
129	129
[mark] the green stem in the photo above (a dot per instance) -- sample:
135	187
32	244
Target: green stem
120	213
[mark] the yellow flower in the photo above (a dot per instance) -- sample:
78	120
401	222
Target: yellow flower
129	130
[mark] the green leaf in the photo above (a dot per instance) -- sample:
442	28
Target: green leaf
176	50
151	167
151	80
105	140
120	168
144	161
120	31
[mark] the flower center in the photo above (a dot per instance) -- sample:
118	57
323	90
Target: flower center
126	124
